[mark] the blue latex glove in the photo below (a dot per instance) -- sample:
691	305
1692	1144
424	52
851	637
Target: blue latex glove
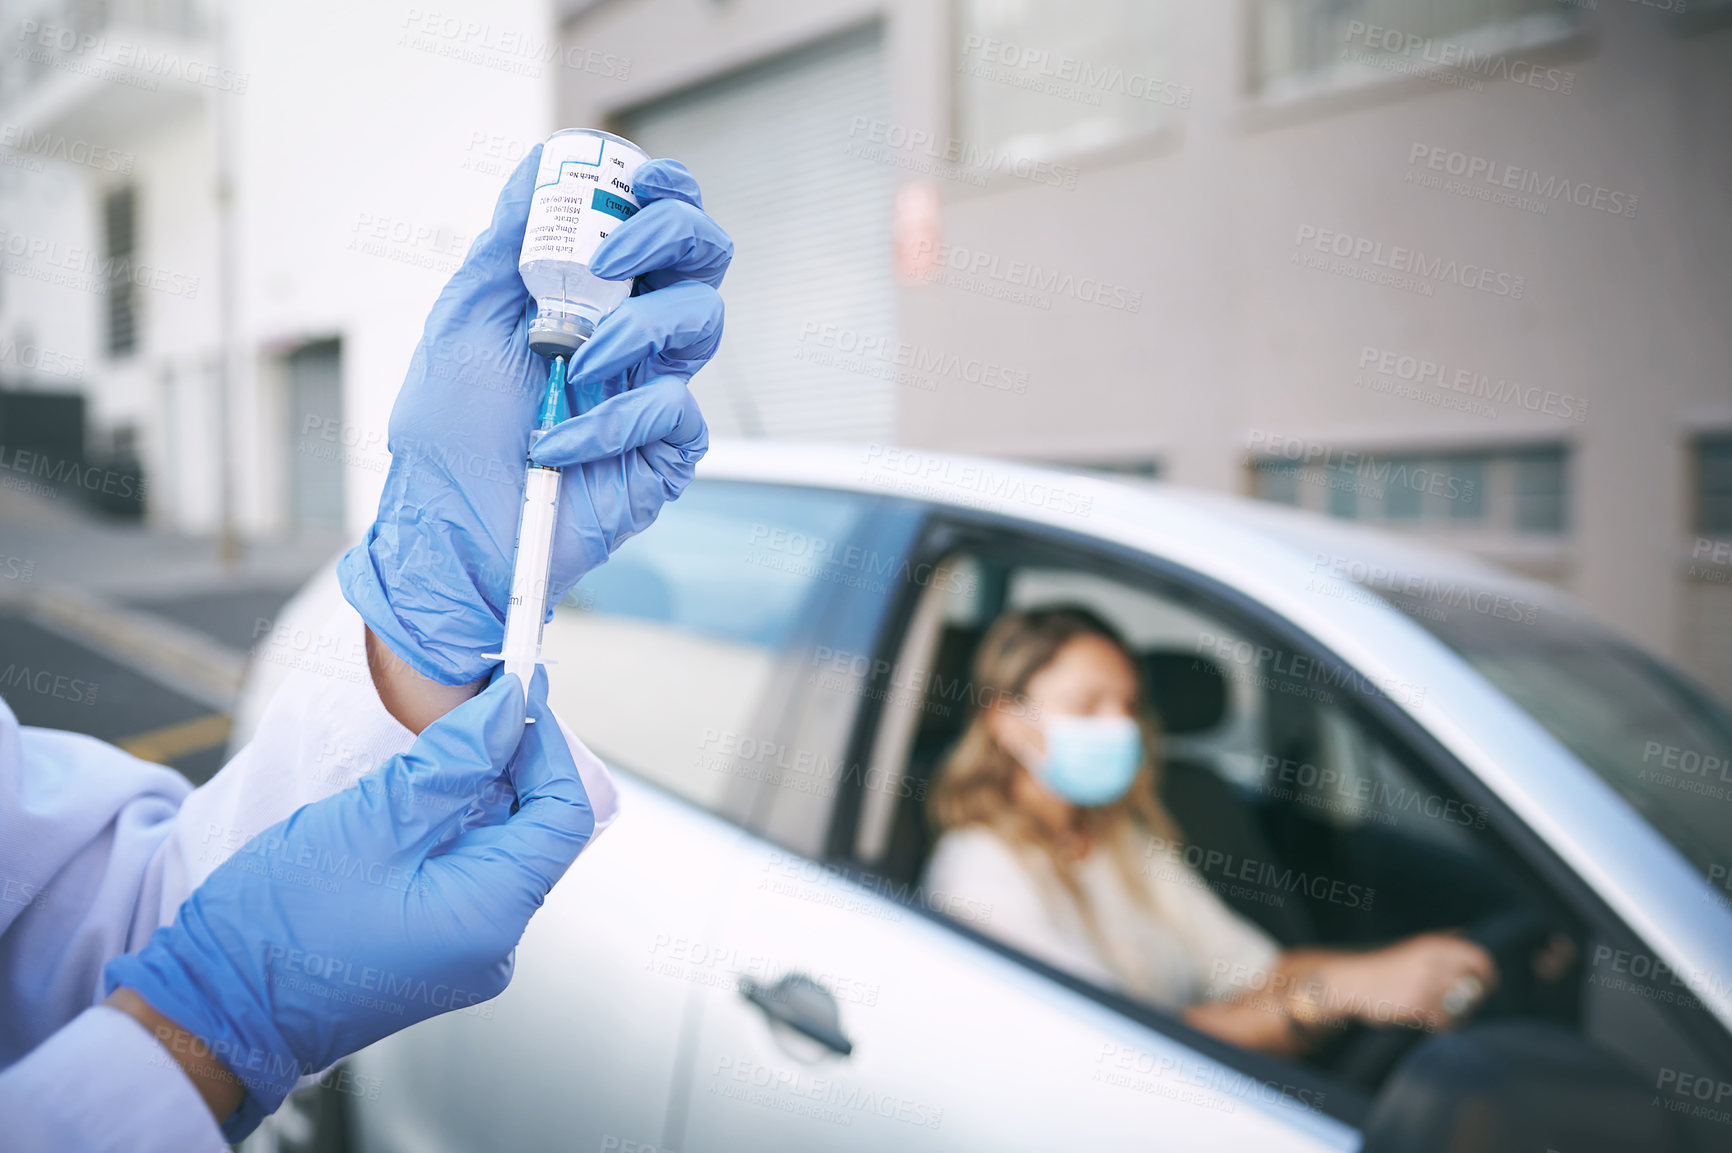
433	576
397	899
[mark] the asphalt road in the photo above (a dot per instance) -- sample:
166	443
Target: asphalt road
133	634
56	681
237	618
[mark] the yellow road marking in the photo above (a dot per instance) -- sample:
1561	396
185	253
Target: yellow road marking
165	744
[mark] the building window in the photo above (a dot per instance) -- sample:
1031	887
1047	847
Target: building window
1539	491
1343	493
1276	481
1714	484
1468	475
1701	16
1038	81
1140	468
1404	484
1514	491
119	239
1301	45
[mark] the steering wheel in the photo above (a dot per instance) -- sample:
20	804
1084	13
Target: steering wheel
1511	936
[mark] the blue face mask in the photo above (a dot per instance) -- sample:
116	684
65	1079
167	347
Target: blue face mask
1090	760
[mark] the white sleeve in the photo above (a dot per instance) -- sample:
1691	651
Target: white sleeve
1226	951
102	1084
974	865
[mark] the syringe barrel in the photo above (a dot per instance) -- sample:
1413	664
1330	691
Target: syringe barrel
527	610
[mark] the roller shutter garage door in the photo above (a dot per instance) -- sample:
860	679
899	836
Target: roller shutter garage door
811	224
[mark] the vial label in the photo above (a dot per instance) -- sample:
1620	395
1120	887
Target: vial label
582	192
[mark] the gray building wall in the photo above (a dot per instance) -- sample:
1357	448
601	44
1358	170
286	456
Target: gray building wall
1235	348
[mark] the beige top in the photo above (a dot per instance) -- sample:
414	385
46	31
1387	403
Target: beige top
1183	952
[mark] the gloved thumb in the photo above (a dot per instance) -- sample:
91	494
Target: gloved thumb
526	854
449	767
662	409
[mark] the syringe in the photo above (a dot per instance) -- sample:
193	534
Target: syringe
527	610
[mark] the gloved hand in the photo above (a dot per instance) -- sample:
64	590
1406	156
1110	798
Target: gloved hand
397	899
433	576
671	325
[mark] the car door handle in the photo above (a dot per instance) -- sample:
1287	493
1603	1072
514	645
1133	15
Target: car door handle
802	1005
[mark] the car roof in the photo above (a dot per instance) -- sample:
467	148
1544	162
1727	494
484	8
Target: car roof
1286	560
1118	508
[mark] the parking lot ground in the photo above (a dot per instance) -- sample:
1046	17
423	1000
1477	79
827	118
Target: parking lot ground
237	618
133	635
56	682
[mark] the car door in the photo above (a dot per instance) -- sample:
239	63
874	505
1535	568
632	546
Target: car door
1314	805
950	1044
850	1016
870	1012
580	1049
674	653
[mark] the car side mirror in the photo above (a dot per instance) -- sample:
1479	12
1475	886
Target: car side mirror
1516	1085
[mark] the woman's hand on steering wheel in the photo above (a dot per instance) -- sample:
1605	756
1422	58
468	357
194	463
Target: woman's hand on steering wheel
1429	982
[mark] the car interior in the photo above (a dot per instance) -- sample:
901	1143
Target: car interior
1222	729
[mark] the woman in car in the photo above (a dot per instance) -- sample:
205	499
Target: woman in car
1051	816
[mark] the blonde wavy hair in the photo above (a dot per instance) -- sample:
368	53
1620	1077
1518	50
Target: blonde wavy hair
974	782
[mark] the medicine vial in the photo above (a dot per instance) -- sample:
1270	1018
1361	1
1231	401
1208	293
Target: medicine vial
582	192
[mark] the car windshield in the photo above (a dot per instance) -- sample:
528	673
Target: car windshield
1661	742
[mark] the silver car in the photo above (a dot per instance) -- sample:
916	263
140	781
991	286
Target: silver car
1364	738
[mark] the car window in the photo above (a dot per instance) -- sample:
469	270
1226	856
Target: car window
667	653
1664	745
727	561
1286	736
1275	752
1300	812
822	682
